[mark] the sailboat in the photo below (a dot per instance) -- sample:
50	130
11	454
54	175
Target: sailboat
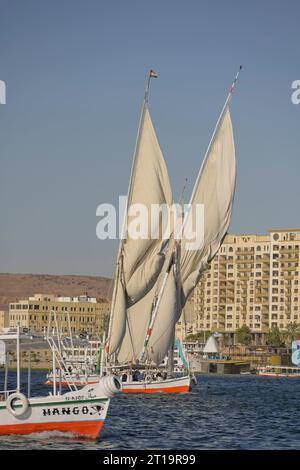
154	278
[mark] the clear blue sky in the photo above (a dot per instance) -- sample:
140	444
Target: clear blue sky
75	73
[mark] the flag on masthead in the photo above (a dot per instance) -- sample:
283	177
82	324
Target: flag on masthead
153	74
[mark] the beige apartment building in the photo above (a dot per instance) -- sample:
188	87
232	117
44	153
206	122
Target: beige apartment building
4	319
81	314
253	280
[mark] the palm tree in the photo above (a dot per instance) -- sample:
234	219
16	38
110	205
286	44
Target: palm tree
275	338
292	332
243	335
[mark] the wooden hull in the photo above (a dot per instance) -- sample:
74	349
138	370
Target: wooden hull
82	413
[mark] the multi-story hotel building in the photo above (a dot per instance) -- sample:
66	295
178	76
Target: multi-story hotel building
253	280
81	314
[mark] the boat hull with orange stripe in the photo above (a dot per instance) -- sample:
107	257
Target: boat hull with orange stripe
87	429
82	412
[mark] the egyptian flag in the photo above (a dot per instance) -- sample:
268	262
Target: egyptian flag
153	74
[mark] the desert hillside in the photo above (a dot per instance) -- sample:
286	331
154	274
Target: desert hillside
20	286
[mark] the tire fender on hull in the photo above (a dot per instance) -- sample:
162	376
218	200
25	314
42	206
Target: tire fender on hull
21	400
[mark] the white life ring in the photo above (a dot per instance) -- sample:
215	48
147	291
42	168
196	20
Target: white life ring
148	378
22	400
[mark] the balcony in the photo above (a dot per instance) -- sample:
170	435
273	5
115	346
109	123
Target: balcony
284	267
294	249
245	268
289	258
289	277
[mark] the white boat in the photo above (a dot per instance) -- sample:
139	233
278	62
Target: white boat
154	384
81	412
154	379
278	371
155	277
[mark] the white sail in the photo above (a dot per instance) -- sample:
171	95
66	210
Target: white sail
215	190
168	314
141	260
119	319
138	318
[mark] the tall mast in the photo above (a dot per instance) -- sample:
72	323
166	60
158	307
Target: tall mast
150	75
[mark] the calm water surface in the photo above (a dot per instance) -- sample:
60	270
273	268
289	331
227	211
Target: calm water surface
229	412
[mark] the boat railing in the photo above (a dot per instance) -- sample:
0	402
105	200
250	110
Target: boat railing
6	393
55	342
279	369
58	359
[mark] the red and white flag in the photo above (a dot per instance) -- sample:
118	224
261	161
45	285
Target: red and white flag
153	74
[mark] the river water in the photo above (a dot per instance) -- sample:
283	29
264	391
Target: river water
221	412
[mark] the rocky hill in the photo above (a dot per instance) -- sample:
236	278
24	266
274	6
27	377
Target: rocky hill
19	286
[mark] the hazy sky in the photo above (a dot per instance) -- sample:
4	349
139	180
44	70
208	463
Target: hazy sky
75	74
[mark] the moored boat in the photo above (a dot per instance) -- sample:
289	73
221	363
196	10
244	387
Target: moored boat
168	385
278	371
181	384
81	412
